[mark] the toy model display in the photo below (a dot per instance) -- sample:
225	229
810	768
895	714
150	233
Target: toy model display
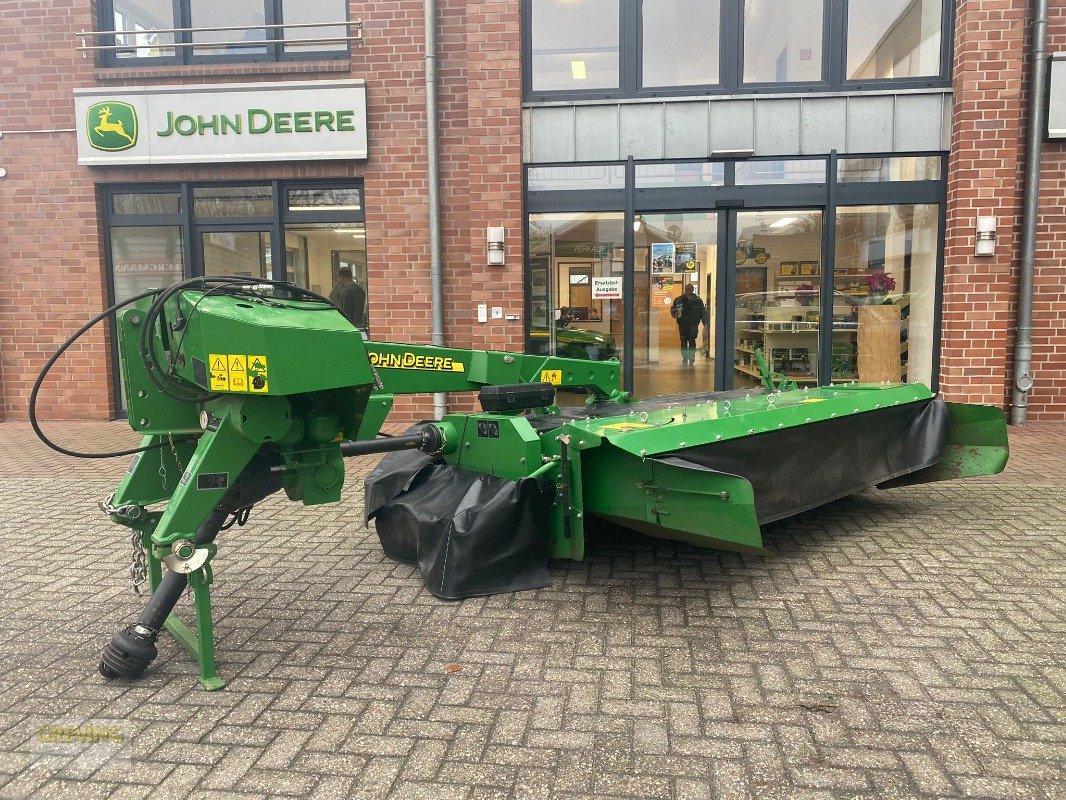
244	387
578	343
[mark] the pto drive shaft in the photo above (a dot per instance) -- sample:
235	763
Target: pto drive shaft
132	649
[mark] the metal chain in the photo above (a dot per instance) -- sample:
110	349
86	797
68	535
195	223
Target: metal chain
138	563
162	470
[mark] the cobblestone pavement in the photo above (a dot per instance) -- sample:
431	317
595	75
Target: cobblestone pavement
899	644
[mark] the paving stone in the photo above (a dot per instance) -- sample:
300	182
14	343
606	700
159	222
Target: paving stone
894	644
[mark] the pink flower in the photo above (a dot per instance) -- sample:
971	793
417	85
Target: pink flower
880	282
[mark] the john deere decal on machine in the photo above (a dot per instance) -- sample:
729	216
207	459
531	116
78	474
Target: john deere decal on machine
218	380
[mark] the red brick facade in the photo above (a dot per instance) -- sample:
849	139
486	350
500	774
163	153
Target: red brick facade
985	178
51	239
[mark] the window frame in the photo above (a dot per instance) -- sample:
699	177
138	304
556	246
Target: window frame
192	227
731	64
185	55
827	197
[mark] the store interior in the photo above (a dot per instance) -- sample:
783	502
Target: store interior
883	294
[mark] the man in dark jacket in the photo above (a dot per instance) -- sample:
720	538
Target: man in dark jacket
688	310
349	297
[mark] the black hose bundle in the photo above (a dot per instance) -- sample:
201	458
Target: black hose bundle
162	377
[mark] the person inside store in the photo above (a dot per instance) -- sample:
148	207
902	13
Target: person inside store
688	311
349	297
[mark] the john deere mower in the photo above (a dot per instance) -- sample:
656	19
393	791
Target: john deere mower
244	387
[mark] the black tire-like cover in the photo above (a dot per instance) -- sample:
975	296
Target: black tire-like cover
468	533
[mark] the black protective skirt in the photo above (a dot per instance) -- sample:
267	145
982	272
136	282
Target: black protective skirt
468	533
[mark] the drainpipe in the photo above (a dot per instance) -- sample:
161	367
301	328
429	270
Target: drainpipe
1023	348
436	272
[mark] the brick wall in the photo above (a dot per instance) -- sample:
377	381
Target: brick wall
50	237
985	178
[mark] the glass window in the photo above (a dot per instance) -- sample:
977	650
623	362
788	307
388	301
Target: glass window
591	176
783	41
232	201
903	168
144	258
680	43
307	11
885	293
315	256
343	198
143	23
213	14
235	29
652	176
1056	118
245	253
777	274
567	253
574	44
893	38
154	203
756	173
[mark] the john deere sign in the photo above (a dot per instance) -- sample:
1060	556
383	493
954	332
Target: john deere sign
111	126
222	122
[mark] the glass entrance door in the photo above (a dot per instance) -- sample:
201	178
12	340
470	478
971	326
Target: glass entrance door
675	284
776	276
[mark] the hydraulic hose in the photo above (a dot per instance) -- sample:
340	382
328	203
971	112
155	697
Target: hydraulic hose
148	354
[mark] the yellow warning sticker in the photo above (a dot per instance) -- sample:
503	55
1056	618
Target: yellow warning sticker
552	376
219	364
237	372
257	374
813	400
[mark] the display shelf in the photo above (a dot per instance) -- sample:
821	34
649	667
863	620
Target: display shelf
847	327
754	373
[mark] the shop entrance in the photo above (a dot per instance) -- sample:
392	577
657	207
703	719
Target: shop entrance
761	291
828	267
671	252
776	277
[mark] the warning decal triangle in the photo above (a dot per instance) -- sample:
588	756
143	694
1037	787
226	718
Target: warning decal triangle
219	364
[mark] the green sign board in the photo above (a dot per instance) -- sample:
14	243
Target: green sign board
111	126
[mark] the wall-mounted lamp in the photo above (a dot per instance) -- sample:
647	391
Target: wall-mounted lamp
495	239
986	237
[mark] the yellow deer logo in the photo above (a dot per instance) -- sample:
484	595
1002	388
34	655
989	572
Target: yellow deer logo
113	127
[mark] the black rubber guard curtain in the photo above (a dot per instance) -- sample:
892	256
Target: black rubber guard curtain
468	533
795	469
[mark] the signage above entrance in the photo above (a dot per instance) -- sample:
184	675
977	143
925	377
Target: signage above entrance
222	123
589	249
